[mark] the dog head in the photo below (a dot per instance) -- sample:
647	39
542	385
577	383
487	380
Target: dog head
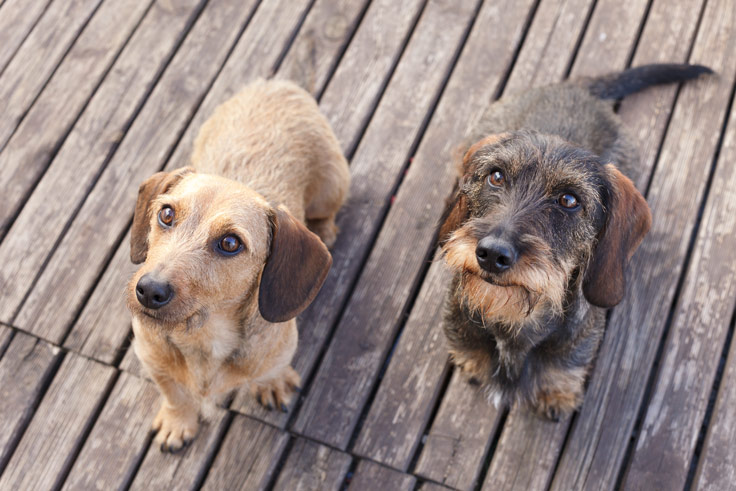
534	216
210	244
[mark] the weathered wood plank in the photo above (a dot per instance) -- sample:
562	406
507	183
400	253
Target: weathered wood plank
456	445
678	402
27	154
362	339
544	55
597	444
104	323
25	369
248	456
101	221
314	52
526	453
432	486
311	466
609	36
17	18
370	476
410	387
667	37
184	470
38	57
549	45
50	442
109	457
6	334
94	136
717	465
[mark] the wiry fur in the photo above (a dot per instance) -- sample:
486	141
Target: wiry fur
263	164
529	333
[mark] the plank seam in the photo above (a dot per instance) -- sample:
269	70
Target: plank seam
495	438
62	138
20	45
113	149
281	462
290	41
579	42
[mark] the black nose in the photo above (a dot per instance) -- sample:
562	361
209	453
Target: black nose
152	292
495	255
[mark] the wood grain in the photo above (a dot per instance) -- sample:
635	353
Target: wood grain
369	323
409	389
110	454
370	476
457	443
50	442
107	210
186	469
248	456
313	55
94	136
677	405
38	57
311	466
526	454
27	154
597	444
17	18
25	369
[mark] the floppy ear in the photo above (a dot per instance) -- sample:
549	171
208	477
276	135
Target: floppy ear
294	271
157	184
628	221
456	209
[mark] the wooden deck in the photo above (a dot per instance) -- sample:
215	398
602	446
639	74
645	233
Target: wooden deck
99	94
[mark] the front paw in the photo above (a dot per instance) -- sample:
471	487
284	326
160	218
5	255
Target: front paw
176	428
556	405
277	391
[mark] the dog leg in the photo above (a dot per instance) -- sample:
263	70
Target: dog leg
325	229
276	390
177	421
561	393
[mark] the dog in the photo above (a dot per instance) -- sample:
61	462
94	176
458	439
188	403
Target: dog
538	232
233	248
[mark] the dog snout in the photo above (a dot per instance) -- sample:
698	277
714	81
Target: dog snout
495	255
152	292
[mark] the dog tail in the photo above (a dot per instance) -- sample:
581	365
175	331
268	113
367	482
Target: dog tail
619	85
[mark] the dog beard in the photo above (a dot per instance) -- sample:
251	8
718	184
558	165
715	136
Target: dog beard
534	287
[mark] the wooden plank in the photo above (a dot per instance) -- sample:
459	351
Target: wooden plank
598	442
38	57
184	470
362	339
6	334
667	37
311	466
94	136
314	53
27	154
717	465
397	417
432	486
104	323
609	36
370	476
107	210
25	369
17	18
679	399
410	387
456	445
49	445
549	45
248	456
527	452
110	455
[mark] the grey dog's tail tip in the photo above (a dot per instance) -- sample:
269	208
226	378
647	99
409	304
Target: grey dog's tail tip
619	85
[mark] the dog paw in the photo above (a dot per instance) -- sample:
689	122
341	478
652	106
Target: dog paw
556	405
278	391
325	230
175	429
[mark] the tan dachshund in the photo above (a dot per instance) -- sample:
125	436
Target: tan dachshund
229	261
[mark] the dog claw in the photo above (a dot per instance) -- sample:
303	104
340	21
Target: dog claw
474	381
284	409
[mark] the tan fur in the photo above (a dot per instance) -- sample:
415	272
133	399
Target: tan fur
267	146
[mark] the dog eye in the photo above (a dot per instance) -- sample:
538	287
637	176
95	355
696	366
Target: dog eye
496	179
229	245
166	216
568	201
